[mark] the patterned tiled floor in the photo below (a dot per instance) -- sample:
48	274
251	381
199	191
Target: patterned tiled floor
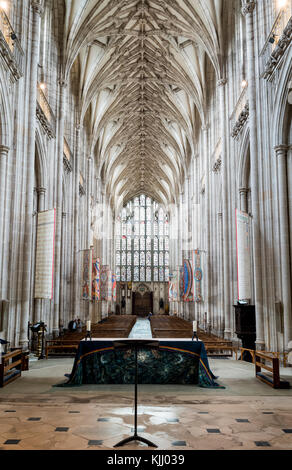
247	414
230	426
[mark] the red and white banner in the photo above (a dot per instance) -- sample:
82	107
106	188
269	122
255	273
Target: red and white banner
243	255
45	246
86	278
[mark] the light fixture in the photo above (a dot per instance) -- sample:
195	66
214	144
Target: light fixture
282	4
42	86
4	5
244	83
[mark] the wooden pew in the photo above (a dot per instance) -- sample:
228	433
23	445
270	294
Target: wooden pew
272	379
172	327
10	367
115	326
61	345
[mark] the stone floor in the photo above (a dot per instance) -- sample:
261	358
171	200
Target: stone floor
247	414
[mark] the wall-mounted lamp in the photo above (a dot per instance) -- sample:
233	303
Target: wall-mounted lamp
4	5
282	4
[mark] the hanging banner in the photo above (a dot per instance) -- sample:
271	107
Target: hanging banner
110	286
173	286
114	284
188	295
243	255
198	276
86	277
105	283
45	247
96	279
181	282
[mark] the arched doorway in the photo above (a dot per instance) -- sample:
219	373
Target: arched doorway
142	303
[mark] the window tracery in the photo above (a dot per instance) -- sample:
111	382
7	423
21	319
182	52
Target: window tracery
142	242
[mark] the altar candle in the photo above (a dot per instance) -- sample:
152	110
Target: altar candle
195	325
88	325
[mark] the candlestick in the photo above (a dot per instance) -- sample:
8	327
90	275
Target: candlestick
195	325
88	325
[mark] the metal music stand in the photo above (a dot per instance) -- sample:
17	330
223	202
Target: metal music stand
135	343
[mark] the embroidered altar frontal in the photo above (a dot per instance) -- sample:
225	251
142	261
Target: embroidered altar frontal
173	362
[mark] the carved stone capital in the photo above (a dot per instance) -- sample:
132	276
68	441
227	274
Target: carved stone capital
37	7
281	149
41	191
63	83
4	151
248	7
243	190
221	82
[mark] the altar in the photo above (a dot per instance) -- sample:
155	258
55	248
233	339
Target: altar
175	361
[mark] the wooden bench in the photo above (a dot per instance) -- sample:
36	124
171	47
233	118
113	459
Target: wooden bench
56	345
272	379
171	333
282	356
220	347
113	327
10	367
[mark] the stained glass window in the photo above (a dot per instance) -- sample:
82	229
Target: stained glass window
142	242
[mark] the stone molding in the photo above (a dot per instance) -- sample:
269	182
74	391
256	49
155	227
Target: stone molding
279	51
81	190
10	59
243	190
37	6
243	117
222	82
41	190
4	150
67	164
217	165
281	149
63	83
44	122
248	7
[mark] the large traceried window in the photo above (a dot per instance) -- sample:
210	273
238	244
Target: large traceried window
142	242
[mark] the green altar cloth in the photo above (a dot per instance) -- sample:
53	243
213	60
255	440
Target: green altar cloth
174	362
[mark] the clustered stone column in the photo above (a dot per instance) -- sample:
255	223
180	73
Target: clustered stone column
207	245
3	163
248	12
37	10
76	225
59	201
225	218
281	155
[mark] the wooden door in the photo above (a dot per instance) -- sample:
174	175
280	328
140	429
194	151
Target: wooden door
142	304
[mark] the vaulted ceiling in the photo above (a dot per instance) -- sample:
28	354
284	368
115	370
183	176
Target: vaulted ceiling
142	69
